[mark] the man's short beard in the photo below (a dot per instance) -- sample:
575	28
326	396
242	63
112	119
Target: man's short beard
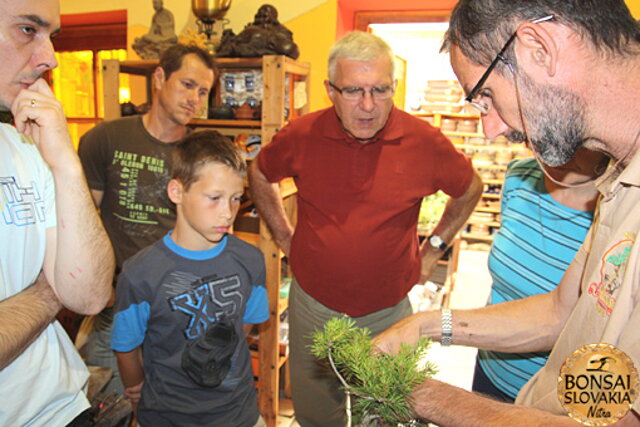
555	120
516	137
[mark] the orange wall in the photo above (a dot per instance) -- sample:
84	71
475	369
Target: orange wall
347	8
634	7
314	33
314	30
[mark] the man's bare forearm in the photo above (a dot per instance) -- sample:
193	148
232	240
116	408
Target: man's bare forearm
79	260
446	405
519	326
84	262
266	196
23	317
530	324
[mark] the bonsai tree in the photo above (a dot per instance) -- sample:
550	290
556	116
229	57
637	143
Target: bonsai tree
378	382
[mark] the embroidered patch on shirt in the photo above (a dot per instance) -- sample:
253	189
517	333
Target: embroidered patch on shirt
612	269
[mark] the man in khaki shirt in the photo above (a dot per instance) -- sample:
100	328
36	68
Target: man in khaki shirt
559	75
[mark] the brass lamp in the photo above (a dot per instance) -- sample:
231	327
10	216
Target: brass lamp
208	12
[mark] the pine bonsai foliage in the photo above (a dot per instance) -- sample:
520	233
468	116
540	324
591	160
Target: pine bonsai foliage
379	383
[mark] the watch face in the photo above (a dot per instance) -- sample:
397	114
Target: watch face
437	242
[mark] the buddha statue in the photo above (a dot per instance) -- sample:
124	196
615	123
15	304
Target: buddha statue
161	34
264	36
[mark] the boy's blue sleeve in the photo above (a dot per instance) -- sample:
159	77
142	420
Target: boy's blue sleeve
257	308
130	318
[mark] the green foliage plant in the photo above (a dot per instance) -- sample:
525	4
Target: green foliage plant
431	210
379	383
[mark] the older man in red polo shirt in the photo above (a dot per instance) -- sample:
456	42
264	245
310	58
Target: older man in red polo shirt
362	168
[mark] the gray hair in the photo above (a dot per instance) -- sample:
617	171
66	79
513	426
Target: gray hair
359	46
480	27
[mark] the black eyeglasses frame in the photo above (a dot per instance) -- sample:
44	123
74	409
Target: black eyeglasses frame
499	57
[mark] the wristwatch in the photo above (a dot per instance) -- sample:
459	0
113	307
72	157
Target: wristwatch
436	242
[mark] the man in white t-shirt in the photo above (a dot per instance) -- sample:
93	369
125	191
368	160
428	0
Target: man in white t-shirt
53	249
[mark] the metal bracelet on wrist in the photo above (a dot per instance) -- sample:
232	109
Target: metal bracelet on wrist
447	328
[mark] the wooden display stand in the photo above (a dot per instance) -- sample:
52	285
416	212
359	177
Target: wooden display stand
274	68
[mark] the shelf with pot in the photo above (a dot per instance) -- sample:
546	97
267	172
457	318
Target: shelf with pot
280	75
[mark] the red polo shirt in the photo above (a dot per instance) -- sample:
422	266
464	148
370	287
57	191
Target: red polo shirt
355	248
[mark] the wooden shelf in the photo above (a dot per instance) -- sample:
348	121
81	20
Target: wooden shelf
467	134
448	114
281	361
251	238
493	181
491	196
493	167
471	236
287	64
493	148
214	123
142	67
487	223
146	66
274	71
484	209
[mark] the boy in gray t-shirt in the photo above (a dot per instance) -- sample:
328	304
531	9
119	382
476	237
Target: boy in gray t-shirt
181	303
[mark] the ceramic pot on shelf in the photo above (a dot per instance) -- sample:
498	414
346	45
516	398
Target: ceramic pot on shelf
244	112
221	112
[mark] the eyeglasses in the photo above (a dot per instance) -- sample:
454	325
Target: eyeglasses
475	98
355	93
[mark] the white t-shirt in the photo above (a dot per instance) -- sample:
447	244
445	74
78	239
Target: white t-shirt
44	385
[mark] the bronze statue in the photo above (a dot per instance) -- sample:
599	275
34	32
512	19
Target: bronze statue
264	36
161	34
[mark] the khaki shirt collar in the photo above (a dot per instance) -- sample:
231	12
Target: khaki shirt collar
616	174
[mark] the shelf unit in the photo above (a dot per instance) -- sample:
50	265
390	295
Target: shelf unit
276	86
449	261
490	201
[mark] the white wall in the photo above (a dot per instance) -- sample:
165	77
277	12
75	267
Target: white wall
419	45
